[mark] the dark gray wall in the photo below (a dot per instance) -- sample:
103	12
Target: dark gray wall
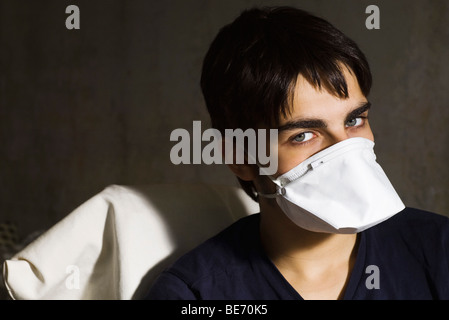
82	109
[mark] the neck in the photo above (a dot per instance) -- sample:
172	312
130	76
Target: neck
302	254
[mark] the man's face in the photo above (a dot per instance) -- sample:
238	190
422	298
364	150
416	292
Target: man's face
319	120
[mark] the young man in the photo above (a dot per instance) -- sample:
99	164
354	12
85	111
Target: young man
330	225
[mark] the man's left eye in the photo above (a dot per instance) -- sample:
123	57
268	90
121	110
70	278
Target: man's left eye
354	122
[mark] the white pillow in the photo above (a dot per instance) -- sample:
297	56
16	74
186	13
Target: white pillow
115	244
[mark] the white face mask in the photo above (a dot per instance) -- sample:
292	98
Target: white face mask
341	189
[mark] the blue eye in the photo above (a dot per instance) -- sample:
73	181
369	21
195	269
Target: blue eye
302	137
354	122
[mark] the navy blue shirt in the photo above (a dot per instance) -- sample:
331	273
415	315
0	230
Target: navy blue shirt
405	257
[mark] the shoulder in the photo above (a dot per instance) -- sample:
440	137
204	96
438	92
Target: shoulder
423	233
410	252
416	221
209	261
220	252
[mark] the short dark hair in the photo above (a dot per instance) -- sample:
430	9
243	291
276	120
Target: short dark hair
250	70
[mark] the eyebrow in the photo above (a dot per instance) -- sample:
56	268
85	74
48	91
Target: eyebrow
318	123
358	111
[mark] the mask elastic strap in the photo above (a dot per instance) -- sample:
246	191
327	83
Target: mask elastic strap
280	191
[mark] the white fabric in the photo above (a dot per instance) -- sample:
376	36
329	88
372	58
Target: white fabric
115	244
341	189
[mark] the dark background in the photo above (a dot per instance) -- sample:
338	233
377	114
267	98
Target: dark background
83	109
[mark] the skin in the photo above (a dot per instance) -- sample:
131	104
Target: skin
317	265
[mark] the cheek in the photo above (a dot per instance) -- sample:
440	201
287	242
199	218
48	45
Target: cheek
367	133
288	159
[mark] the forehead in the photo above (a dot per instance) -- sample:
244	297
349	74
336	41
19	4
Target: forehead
310	101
